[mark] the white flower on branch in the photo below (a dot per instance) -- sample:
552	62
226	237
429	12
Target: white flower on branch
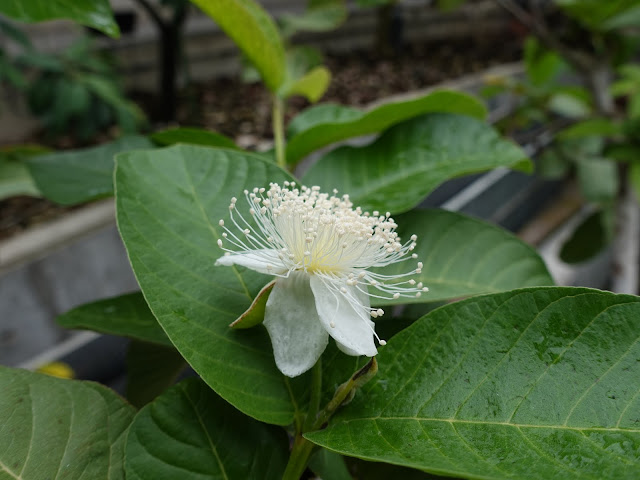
322	250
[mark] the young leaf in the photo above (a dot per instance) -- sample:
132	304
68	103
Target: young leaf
463	256
169	202
54	428
92	13
311	86
326	124
126	315
529	384
151	369
192	434
411	159
77	176
253	30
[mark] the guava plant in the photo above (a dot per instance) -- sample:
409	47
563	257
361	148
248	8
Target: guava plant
298	301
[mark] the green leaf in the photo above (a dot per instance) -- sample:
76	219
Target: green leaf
192	434
598	178
126	315
568	105
78	176
194	136
92	13
151	369
169	202
55	428
463	256
329	123
624	19
14	175
596	14
320	16
254	32
591	127
542	65
311	86
411	159
587	240
327	464
540	383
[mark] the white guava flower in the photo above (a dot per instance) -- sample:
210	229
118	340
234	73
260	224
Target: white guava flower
321	249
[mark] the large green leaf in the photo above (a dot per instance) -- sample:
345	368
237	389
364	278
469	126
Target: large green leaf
253	30
92	13
192	434
78	176
53	429
126	315
411	159
463	256
169	202
540	383
329	123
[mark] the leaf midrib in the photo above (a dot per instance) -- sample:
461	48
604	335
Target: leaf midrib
458	421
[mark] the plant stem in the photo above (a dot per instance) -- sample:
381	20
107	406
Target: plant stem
302	448
278	130
299	458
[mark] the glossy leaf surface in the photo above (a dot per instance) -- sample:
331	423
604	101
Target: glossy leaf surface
329	123
534	384
192	434
54	428
169	202
411	159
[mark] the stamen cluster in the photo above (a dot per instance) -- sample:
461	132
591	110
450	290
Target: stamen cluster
303	230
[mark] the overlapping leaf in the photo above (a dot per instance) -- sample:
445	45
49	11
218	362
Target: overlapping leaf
77	176
411	159
539	383
126	315
192	434
169	202
463	256
329	123
52	428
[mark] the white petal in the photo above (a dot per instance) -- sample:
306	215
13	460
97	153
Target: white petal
257	260
352	329
297	336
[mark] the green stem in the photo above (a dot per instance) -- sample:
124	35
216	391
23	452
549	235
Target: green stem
302	448
299	458
278	131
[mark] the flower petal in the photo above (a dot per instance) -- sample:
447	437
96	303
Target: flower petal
352	329
297	336
257	260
